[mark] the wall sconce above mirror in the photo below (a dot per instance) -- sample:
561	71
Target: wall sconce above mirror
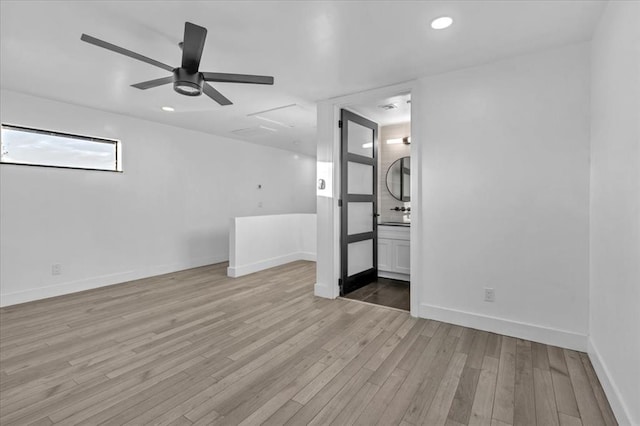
399	179
406	140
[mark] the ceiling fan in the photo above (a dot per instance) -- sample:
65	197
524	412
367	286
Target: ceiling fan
187	79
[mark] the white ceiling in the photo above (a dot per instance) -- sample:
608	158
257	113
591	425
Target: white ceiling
315	50
380	112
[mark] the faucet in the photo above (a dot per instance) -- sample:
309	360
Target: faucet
406	211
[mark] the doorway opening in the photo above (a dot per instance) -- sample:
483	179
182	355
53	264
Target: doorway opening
380	260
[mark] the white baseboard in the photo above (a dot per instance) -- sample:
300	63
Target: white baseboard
238	271
54	290
536	333
620	409
76	286
394	276
168	268
321	290
306	255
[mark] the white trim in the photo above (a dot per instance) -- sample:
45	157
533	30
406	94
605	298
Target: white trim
416	235
311	257
168	268
55	290
323	291
522	330
620	409
91	283
395	276
250	268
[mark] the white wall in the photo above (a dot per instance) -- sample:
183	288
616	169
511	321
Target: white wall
504	195
614	326
168	211
262	242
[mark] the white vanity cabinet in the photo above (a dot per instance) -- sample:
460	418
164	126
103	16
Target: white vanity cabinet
393	252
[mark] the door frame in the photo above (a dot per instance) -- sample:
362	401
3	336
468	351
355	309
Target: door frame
328	171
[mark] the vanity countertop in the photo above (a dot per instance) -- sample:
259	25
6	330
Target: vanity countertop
405	224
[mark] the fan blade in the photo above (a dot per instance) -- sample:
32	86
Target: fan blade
153	83
215	95
123	51
237	78
192	46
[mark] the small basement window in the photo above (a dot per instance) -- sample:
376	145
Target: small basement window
34	147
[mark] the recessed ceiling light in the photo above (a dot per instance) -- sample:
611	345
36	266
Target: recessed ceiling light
441	23
168	108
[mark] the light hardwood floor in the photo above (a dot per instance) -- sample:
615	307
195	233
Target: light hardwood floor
196	347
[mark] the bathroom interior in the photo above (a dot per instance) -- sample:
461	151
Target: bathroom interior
393	116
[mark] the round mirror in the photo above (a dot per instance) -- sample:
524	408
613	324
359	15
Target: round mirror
399	179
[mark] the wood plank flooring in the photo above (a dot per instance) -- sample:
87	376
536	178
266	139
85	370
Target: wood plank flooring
196	347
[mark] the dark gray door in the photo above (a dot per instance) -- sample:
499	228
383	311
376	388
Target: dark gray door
358	201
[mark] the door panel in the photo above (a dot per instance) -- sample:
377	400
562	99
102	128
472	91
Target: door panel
358	195
360	257
360	178
361	139
360	217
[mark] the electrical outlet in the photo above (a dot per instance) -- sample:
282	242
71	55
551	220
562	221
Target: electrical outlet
56	269
489	295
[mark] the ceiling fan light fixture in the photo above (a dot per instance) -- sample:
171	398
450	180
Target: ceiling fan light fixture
187	84
187	88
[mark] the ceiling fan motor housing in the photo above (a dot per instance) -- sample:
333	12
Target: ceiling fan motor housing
186	83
